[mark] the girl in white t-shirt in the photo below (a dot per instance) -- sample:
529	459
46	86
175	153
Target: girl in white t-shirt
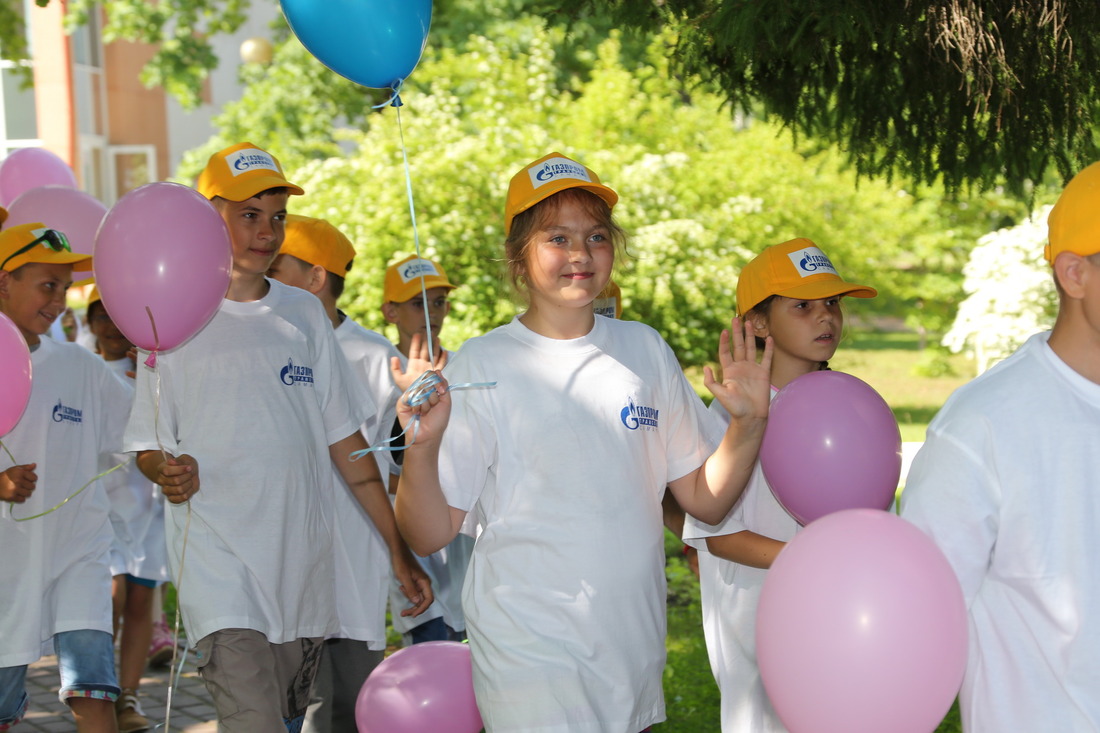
565	461
791	293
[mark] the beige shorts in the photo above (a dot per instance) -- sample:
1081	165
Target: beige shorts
257	685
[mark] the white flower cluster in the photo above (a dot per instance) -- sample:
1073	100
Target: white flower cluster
1010	293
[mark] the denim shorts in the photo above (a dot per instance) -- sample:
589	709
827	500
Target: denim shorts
86	661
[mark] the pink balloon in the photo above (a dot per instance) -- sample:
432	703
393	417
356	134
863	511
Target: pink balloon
423	687
74	213
28	168
831	443
861	627
15	374
165	248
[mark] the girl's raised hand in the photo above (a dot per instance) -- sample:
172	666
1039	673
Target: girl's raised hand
417	363
745	389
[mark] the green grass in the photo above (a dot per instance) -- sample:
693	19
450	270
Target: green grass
888	361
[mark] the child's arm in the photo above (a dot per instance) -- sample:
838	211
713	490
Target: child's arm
423	515
367	487
710	491
178	476
746	548
17	483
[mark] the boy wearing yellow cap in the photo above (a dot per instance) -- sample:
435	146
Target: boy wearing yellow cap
56	570
253	411
1006	485
316	256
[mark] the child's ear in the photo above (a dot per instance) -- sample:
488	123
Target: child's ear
759	324
389	312
1071	272
5	281
318	277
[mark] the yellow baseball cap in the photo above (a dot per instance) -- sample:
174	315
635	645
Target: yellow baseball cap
403	279
547	176
93	295
319	243
240	172
27	243
1074	223
794	269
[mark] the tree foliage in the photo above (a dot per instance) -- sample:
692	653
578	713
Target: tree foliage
967	92
700	193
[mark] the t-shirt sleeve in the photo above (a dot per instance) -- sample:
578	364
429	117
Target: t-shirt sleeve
467	455
694	433
345	405
152	424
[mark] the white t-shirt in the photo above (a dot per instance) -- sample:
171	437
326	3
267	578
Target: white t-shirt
1007	486
446	588
730	593
55	573
256	397
363	566
565	461
137	509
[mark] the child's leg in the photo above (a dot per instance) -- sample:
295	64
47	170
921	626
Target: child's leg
13	695
86	661
118	600
257	685
137	631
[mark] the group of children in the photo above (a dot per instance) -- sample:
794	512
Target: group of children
559	442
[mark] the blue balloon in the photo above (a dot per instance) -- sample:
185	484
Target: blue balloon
376	43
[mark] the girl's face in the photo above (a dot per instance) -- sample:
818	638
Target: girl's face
806	331
569	260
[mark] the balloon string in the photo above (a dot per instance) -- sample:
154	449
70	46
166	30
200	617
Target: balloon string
416	239
173	678
418	392
69	498
151	362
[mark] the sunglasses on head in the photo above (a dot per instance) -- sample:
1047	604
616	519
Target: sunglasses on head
50	238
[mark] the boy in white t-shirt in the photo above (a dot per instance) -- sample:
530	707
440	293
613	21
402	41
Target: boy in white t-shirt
316	257
1006	485
56	572
404	305
253	412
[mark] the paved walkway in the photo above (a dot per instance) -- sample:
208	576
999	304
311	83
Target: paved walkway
191	708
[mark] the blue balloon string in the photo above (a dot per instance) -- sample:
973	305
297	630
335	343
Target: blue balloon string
421	389
417	393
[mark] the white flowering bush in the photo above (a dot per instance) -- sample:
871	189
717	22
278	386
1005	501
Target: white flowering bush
1010	293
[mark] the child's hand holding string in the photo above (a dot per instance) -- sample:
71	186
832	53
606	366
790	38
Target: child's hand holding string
177	476
425	410
745	389
17	483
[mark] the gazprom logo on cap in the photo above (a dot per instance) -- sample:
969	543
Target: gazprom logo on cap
243	161
556	168
293	374
812	261
415	268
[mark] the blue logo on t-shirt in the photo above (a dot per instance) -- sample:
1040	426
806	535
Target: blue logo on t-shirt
67	414
639	416
291	374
